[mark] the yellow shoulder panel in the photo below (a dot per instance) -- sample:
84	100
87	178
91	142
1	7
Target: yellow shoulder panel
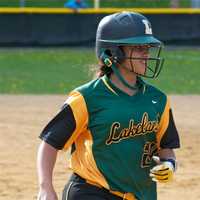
164	122
79	109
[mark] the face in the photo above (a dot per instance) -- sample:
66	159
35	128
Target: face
136	65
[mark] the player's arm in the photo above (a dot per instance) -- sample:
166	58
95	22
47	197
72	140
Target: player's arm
45	164
59	134
167	140
54	136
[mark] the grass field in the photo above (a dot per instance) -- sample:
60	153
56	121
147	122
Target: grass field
103	3
59	70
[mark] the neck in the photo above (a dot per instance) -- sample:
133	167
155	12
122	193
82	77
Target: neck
131	79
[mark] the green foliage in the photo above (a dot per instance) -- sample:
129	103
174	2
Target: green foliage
43	70
135	3
181	71
103	3
59	70
140	3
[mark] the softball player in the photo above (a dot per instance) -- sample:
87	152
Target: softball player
120	129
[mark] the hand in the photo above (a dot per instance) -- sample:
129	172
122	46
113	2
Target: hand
163	172
47	194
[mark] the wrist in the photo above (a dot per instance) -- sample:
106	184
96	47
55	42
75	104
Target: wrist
46	185
171	162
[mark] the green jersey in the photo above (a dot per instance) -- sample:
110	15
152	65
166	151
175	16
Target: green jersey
113	135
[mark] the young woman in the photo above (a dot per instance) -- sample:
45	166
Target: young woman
120	129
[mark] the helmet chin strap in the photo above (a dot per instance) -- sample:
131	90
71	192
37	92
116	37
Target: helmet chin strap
109	63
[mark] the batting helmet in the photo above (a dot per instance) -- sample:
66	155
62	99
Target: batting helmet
127	28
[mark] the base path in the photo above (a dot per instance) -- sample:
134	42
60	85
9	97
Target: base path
22	117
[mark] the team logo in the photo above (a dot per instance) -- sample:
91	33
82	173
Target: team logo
144	127
148	29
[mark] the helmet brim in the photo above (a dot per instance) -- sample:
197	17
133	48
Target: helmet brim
140	40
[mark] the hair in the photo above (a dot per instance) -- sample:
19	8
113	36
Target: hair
103	69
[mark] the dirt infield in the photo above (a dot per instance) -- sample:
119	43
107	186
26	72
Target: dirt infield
23	117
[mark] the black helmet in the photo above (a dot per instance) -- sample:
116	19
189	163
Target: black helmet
126	28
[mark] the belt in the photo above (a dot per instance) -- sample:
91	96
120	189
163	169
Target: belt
124	196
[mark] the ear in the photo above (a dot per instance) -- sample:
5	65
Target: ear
112	55
117	54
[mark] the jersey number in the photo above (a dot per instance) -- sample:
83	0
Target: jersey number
150	149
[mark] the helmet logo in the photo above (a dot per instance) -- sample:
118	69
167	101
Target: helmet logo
148	29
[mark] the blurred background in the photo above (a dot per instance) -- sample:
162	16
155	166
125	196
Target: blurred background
47	48
50	41
103	3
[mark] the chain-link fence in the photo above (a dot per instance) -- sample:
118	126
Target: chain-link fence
102	3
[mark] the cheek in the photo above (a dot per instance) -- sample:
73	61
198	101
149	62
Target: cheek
139	66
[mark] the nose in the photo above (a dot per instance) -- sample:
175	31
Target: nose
145	53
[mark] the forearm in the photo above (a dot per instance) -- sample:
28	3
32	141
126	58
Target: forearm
45	164
166	153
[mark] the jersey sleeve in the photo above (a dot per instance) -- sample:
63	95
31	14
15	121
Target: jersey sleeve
167	135
68	124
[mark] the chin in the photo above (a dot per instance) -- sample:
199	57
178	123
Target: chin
142	71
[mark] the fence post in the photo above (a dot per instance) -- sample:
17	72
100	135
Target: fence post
96	3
